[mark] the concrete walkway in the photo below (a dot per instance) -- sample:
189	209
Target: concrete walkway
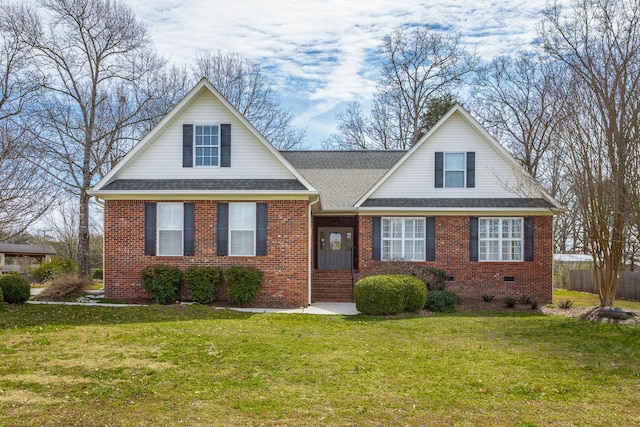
341	308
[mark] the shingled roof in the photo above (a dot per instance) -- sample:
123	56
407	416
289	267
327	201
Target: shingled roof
342	177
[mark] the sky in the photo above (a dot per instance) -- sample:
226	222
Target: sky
321	54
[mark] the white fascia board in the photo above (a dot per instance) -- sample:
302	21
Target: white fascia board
227	194
457	212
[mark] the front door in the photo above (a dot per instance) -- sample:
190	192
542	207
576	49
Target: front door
335	246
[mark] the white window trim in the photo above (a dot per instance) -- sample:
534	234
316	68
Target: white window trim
195	147
463	170
403	239
255	226
158	229
500	239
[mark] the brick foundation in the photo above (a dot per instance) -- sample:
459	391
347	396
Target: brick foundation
285	266
472	278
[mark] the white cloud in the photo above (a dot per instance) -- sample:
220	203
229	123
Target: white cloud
317	50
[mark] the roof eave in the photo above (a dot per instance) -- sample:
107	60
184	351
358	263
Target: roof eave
458	211
158	194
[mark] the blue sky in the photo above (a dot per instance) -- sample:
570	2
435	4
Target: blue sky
320	53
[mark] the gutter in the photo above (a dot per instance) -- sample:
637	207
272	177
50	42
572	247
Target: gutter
310	249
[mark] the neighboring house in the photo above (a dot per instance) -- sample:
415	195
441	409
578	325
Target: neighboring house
41	253
205	188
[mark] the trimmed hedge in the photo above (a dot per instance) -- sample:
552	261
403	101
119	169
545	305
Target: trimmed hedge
203	283
434	278
381	294
243	284
15	289
162	282
442	301
54	268
1	296
415	292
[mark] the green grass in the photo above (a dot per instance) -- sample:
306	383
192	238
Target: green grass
192	366
583	299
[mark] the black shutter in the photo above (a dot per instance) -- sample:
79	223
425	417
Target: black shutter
261	229
187	146
376	238
473	238
528	238
150	229
439	169
189	228
471	169
431	238
223	229
225	146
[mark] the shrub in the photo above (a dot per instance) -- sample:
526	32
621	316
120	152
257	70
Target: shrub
50	270
524	300
243	284
487	297
534	305
415	292
63	287
510	302
162	282
434	278
203	282
2	296
380	294
15	289
565	305
442	301
97	274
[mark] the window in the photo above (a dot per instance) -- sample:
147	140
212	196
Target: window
207	145
242	229
454	170
500	239
403	239
170	229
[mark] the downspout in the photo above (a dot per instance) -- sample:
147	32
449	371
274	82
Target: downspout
310	249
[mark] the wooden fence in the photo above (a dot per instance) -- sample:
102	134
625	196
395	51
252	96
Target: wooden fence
628	285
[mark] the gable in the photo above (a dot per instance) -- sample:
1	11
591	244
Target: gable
168	159
162	158
494	173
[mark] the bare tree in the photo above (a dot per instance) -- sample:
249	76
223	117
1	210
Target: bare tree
599	43
248	89
419	65
24	190
352	129
522	101
99	60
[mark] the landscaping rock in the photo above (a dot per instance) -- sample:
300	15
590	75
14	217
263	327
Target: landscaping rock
615	313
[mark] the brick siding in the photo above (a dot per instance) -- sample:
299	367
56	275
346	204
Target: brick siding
285	266
472	279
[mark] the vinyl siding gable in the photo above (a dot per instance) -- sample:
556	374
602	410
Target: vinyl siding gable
162	157
495	175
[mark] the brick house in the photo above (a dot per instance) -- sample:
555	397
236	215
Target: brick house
204	187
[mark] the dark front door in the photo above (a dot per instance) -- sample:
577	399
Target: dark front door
335	246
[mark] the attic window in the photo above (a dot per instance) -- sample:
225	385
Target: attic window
207	145
454	170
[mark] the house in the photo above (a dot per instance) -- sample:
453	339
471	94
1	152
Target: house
204	187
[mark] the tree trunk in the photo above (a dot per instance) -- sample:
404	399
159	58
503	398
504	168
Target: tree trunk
84	269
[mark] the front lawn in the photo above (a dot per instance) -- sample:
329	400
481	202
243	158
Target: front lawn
158	365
